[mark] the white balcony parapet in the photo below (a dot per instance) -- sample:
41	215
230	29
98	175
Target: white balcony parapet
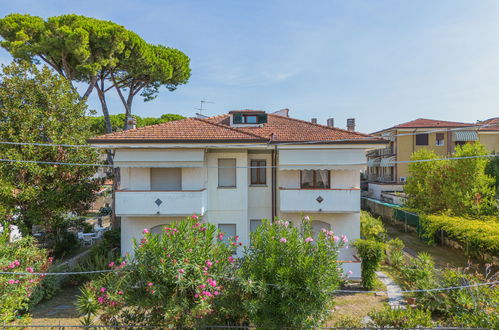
166	203
320	200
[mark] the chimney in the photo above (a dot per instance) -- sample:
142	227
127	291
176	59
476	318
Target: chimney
314	120
330	122
131	123
351	124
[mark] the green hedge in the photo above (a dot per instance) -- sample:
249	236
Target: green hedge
371	253
478	237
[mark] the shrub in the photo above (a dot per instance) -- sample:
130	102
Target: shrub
372	227
371	253
290	275
172	280
394	252
419	273
18	256
347	321
401	318
478	237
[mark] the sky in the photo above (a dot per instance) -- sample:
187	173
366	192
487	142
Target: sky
381	62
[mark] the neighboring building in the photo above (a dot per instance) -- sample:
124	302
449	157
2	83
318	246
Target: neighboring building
200	166
438	135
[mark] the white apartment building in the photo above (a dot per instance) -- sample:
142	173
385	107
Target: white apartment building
237	169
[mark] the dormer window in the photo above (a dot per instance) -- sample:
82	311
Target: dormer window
248	117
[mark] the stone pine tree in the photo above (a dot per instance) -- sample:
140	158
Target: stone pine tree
39	106
101	54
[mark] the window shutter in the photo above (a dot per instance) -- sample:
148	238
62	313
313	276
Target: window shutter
237	118
262	118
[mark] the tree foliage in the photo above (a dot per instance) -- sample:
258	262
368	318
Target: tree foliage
459	186
98	125
38	106
102	54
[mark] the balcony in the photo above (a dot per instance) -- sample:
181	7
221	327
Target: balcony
168	203
320	200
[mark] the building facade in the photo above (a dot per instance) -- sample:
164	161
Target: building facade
384	174
237	169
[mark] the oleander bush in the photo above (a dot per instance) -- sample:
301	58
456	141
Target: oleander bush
477	236
171	281
19	256
289	275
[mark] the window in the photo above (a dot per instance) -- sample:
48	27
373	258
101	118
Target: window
421	139
227	172
250	119
314	179
166	178
440	138
254	224
258	171
229	231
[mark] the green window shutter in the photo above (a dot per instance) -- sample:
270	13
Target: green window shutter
237	118
262	118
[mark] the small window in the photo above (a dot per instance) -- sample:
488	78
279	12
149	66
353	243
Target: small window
258	171
227	172
254	224
314	179
250	119
421	139
440	139
229	231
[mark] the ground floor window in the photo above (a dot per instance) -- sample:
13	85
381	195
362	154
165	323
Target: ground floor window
229	231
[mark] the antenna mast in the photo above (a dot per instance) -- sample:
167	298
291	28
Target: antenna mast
201	107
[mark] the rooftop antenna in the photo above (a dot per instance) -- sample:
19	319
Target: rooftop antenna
201	107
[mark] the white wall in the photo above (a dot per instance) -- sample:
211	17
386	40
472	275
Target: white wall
229	205
376	189
342	179
260	197
132	227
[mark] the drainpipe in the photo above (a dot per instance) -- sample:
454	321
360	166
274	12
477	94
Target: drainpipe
274	183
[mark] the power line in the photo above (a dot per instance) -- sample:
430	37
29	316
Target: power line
298	167
251	144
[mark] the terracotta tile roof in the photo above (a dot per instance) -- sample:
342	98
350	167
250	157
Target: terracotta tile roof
422	122
217	129
494	122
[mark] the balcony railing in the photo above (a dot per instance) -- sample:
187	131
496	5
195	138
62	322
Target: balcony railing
169	203
320	200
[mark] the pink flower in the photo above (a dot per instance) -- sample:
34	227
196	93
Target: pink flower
145	231
202	286
216	293
152	291
344	239
181	270
221	236
230	259
306	218
309	239
120	292
209	263
336	238
196	296
123	263
12	281
283	240
102	290
29	270
194	216
101	300
350	272
150	284
111	264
